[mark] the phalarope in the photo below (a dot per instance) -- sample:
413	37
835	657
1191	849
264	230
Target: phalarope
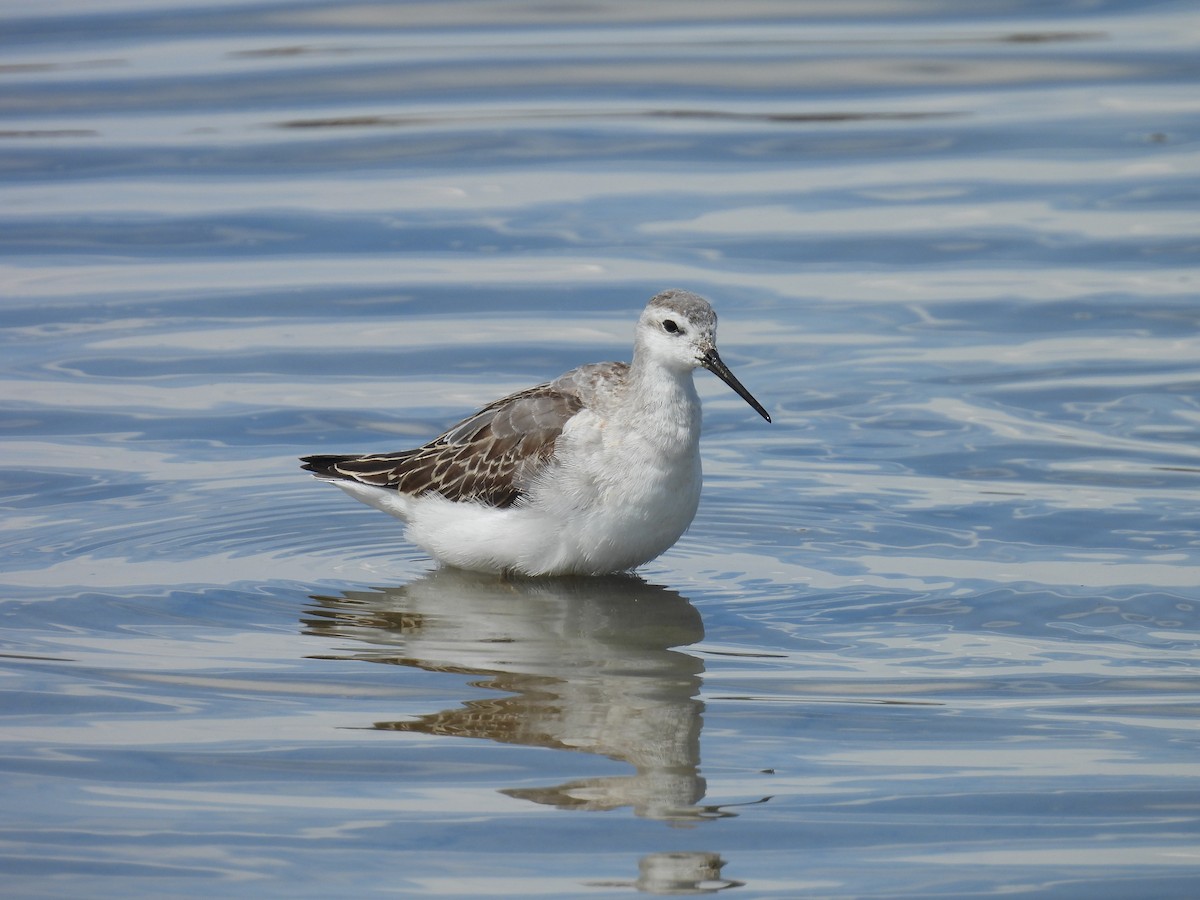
595	472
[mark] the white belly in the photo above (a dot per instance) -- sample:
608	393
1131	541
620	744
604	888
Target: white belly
600	509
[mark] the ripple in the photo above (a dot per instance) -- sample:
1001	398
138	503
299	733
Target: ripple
945	601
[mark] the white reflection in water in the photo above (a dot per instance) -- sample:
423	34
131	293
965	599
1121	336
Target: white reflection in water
586	664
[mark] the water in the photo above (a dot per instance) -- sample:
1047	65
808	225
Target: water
933	633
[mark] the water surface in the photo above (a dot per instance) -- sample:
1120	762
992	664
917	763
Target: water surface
934	631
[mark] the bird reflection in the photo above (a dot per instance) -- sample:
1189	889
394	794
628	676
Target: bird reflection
586	664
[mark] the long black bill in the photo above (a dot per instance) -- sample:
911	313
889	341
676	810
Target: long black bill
712	362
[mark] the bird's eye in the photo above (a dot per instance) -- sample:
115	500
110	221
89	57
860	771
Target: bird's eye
670	327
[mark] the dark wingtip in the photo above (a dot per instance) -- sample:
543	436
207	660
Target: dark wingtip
322	464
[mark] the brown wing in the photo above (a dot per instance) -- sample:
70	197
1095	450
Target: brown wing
490	457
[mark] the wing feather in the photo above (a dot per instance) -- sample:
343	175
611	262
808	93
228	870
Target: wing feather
490	457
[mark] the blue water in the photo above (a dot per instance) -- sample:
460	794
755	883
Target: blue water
934	633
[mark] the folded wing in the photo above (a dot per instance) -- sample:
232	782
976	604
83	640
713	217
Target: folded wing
491	457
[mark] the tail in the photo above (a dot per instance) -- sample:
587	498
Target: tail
374	492
324	466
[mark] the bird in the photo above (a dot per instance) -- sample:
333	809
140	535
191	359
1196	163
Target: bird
594	473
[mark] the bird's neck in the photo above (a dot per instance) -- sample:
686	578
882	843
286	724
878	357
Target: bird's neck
662	404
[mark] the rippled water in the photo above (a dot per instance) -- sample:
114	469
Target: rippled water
934	632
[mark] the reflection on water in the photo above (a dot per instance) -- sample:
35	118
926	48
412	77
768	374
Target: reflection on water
586	664
679	873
